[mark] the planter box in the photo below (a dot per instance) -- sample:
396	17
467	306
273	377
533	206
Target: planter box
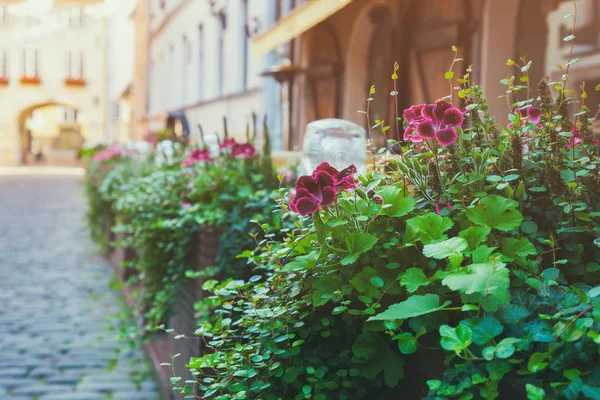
203	254
120	255
75	82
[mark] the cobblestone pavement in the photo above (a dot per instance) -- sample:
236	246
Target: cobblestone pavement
55	304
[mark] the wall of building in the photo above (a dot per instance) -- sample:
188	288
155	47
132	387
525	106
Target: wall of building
52	36
202	68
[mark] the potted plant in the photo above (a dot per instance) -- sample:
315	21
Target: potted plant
4	81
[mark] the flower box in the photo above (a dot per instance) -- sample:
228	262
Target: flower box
30	80
75	82
3	81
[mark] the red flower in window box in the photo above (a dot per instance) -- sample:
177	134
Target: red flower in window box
3	81
80	82
30	80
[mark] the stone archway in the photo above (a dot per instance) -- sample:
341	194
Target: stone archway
356	71
68	139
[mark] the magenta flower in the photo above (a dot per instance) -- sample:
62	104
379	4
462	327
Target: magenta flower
440	121
108	154
197	156
246	150
344	179
320	189
428	121
228	144
439	206
529	114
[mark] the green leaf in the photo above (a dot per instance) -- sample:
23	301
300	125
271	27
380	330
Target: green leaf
412	307
475	235
517	248
357	243
400	205
307	261
449	75
497	213
529	227
407	343
455	339
446	248
377	282
429	228
483	279
483	329
537	362
363	282
534	392
324	288
413	279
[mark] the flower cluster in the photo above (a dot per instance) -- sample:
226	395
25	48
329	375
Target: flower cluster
577	138
530	114
428	121
107	154
240	150
197	156
320	189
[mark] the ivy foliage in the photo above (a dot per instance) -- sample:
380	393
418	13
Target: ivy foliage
389	295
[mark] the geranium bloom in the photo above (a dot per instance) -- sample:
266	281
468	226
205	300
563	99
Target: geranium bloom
197	156
108	154
530	114
440	205
428	121
576	138
228	144
320	189
246	150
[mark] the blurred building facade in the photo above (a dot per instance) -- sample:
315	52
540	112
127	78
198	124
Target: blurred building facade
339	48
61	71
193	60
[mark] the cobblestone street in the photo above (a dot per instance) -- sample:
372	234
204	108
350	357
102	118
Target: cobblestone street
55	303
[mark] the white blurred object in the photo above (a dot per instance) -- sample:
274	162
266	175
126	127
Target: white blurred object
212	142
337	141
164	152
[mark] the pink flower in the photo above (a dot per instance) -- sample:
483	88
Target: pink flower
151	137
246	150
228	144
529	114
428	121
344	179
107	154
439	206
320	189
197	156
576	138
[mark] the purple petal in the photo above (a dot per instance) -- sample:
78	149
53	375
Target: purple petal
328	196
453	117
446	137
307	182
425	130
306	206
427	112
325	166
440	109
535	114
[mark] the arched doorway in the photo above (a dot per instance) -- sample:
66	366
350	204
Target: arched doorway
427	46
51	134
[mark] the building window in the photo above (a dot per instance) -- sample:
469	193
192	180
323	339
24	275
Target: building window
221	53
245	39
3	15
75	64
76	16
30	60
201	61
4	70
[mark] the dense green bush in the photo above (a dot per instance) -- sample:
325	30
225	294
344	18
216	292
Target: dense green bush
158	203
467	266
